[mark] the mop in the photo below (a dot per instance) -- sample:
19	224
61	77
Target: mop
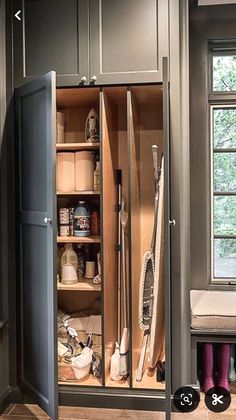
115	358
146	285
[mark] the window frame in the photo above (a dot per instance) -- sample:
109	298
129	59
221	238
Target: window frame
217	100
213	236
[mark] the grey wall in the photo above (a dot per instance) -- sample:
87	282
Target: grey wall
206	23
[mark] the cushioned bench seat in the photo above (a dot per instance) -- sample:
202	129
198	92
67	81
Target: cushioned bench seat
213	310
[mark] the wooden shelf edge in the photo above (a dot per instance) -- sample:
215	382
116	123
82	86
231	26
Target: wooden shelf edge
78	193
84	284
77	146
116	384
90	382
79	240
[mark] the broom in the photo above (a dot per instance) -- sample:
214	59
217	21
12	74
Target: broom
124	345
146	285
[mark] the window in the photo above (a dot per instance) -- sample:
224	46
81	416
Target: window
224	73
223	166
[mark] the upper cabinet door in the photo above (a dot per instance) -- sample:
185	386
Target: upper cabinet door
37	298
128	39
51	35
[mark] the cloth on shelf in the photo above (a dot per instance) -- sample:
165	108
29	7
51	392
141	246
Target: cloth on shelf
79	324
94	325
83	323
213	309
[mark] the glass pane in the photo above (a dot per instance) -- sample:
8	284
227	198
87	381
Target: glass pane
225	172
225	258
225	215
224	127
224	73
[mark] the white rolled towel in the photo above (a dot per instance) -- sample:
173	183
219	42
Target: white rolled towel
65	172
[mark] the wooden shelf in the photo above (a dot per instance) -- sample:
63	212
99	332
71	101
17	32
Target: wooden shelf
65	370
79	240
116	384
84	284
148	382
76	146
79	193
89	381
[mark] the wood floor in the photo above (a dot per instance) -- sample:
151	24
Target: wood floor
33	412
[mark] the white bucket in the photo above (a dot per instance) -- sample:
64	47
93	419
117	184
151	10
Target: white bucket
84	168
65	172
81	364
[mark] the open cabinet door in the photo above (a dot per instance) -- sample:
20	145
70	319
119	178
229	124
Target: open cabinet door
167	225
37	345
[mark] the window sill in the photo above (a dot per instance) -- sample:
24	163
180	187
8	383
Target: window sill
221	286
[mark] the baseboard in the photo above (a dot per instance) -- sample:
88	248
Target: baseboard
110	398
104	398
12	395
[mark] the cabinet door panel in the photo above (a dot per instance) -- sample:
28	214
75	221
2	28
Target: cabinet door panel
167	233
36	109
53	35
127	40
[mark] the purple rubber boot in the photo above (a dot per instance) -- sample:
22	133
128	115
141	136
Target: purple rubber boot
223	358
207	382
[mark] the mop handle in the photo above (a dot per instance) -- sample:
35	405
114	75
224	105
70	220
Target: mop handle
156	208
119	181
124	268
157	173
119	267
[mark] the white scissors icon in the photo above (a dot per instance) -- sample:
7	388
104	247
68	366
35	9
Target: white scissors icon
217	399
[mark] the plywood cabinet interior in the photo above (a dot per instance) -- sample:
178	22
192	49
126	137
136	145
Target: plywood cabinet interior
130	123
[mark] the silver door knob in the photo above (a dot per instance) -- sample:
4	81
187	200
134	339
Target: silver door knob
83	79
93	79
172	222
47	220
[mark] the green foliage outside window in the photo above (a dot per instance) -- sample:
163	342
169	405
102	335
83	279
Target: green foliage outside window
224	73
224	172
224	181
224	127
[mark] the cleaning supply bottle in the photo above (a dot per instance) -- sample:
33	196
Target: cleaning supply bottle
82	220
97	177
69	258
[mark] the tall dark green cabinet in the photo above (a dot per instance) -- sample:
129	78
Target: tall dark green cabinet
128	59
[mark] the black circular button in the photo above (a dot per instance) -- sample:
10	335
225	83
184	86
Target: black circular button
217	399
186	399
